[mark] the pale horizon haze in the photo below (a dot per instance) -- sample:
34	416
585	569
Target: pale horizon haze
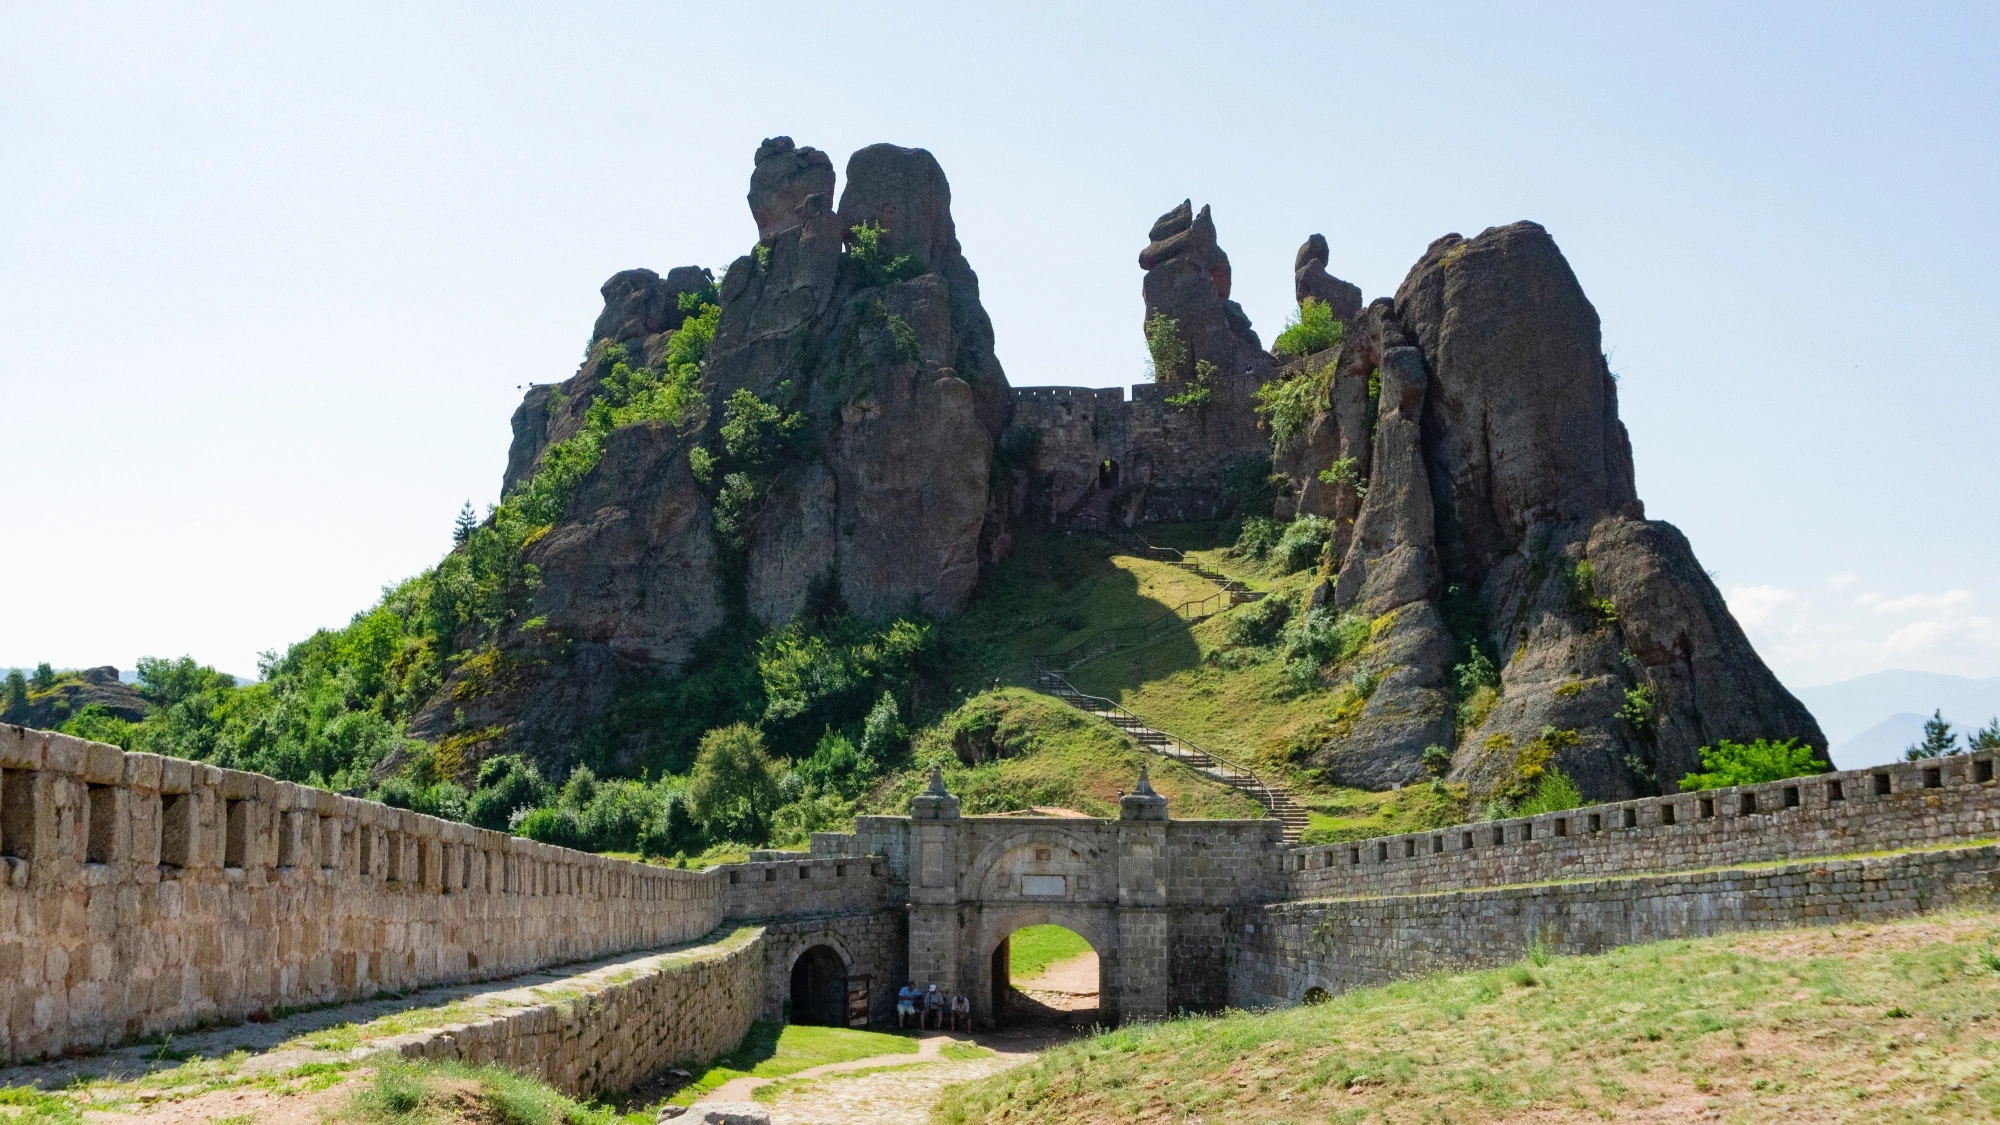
273	278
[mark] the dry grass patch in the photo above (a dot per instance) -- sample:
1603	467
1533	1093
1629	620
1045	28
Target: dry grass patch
1891	1023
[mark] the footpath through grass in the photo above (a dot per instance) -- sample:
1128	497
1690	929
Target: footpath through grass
773	1051
1032	949
1888	1022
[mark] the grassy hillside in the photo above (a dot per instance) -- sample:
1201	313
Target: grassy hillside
1012	749
1231	697
1886	1022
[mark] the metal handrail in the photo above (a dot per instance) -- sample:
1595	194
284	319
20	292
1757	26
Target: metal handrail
1113	637
1181	748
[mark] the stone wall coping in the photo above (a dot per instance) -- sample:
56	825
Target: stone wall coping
1689	808
100	764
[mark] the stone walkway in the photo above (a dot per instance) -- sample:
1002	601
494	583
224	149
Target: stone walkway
350	1032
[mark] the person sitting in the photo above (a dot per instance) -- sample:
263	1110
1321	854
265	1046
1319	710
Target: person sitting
906	1005
961	1012
934	1008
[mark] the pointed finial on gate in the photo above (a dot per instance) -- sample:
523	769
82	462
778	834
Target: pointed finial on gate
936	787
1145	787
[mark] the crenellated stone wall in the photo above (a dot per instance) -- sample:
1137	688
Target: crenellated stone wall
1908	804
1280	951
1163	463
141	894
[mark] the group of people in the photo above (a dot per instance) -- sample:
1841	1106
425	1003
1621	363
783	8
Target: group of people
932	1008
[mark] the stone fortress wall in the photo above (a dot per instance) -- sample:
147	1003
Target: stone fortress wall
1166	464
140	895
1905	805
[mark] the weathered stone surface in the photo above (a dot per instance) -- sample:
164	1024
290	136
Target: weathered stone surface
785	177
1310	279
1100	460
1496	465
889	491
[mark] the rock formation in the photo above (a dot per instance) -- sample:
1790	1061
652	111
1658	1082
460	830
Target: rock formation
885	357
1310	279
1501	516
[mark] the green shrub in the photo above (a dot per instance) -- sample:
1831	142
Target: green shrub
1260	622
1288	404
1639	711
1166	352
507	784
1302	543
1553	792
1437	760
1748	763
1311	329
1199	392
1319	639
1345	471
869	266
1583	599
734	787
1259	535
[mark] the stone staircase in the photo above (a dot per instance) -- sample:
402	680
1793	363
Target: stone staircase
1046	676
1276	799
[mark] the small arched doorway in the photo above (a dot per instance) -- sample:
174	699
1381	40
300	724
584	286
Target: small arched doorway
819	988
1107	474
1046	974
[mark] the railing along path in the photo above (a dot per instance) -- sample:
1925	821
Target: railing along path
1046	675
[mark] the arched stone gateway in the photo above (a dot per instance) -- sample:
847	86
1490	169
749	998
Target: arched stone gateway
1150	895
819	987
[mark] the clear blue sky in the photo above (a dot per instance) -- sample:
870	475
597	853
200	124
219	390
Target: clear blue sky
271	278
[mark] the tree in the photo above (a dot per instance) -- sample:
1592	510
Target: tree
45	677
1747	763
1985	738
734	787
1165	350
14	698
466	524
1939	740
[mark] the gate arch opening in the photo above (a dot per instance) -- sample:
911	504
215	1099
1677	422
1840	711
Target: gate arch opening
819	988
1046	974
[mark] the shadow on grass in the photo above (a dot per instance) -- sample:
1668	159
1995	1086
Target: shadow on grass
1057	590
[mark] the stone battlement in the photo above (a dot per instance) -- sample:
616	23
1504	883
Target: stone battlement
141	894
1905	805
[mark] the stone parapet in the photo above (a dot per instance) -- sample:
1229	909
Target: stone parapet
1279	951
803	885
619	1026
1908	804
141	894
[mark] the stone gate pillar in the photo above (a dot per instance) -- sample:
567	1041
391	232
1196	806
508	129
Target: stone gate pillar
1144	979
934	859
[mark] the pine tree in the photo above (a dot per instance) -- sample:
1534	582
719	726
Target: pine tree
1986	737
467	523
1939	740
44	678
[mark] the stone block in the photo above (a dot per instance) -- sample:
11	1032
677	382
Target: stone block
21	747
102	764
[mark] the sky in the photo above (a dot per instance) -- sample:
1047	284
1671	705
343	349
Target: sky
273	277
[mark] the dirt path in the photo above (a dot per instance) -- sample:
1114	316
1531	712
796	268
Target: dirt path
1076	977
902	1096
739	1089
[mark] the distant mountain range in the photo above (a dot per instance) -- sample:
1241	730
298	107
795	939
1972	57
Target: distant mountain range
1870	719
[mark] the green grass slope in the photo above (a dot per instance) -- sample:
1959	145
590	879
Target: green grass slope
1233	699
1887	1022
1013	750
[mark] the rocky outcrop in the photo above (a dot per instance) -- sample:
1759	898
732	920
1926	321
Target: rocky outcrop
91	686
1188	279
884	486
1501	517
641	312
1310	279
